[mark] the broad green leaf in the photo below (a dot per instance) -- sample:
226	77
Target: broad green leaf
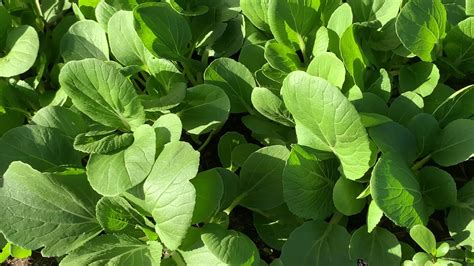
292	22
424	238
209	190
461	217
5	252
397	192
327	66
241	153
339	130
188	8
469	7
420	26
168	128
153	23
382	87
281	57
271	106
374	12
169	194
252	56
231	186
204	108
384	247
5	26
341	19
231	39
166	76
66	204
260	178
395	140
405	107
421	77
226	144
438	187
317	243
67	121
19	252
84	39
125	44
235	79
102	142
353	55
256	12
112	174
426	130
345	194
456	143
87	7
275	227
458	105
458	45
374	215
218	246
101	92
116	249
439	95
42	148
116	215
308	184
20	51
321	41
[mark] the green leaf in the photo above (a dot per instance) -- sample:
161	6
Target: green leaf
218	246
260	178
84	39
384	247
293	22
341	19
209	190
339	131
226	144
271	106
308	183
405	107
101	92
153	22
67	121
205	108
458	105
321	42
117	249
456	143
168	128
241	153
275	228
439	95
421	77
66	219
397	192
169	194
252	56
353	55
116	215
374	215
125	44
382	87
345	193
420	26
458	45
438	187
102	142
21	48
424	238
115	173
426	130
469	7
256	11
327	66
235	79
43	148
395	140
461	217
317	243
374	12
281	57
19	252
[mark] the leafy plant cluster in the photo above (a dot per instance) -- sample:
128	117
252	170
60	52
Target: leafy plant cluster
131	131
